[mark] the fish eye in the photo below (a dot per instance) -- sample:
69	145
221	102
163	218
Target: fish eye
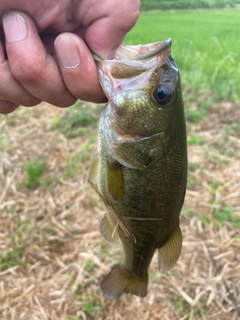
162	94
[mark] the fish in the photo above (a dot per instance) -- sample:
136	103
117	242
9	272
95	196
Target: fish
140	171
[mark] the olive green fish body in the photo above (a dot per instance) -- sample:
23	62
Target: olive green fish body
142	163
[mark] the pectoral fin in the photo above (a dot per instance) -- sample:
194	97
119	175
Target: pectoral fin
115	182
169	253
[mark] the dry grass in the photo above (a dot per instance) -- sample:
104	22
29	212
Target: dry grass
52	255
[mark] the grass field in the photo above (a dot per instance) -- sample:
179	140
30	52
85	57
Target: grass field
52	256
205	46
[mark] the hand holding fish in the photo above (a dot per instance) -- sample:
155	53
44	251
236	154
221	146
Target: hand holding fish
45	48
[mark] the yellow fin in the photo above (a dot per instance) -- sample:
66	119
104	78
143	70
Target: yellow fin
115	181
107	230
92	172
119	280
169	253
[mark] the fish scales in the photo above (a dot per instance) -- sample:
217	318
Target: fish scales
141	170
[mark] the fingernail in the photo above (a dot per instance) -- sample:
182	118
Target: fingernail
67	52
112	54
15	27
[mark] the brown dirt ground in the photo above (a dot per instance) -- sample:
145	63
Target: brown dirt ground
56	257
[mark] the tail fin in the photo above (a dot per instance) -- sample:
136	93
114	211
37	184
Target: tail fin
119	280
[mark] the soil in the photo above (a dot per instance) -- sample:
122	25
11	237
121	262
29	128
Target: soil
52	256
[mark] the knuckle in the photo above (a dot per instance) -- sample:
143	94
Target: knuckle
7	107
30	102
29	72
65	102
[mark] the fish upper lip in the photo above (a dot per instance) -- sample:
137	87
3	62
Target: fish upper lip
162	45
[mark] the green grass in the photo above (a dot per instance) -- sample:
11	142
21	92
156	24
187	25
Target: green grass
185	4
77	120
195	139
223	215
73	159
11	258
226	215
205	45
2	145
15	253
34	171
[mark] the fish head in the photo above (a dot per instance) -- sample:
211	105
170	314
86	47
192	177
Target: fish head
142	85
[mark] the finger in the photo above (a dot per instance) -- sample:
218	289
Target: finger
7	107
10	89
78	68
29	63
108	24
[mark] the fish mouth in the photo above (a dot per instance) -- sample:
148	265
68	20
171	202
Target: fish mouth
156	49
133	60
139	52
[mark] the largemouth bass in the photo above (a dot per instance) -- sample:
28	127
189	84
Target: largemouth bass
141	169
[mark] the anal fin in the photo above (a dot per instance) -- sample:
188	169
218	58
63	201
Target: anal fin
169	253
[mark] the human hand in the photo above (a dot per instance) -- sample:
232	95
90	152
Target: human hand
45	48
